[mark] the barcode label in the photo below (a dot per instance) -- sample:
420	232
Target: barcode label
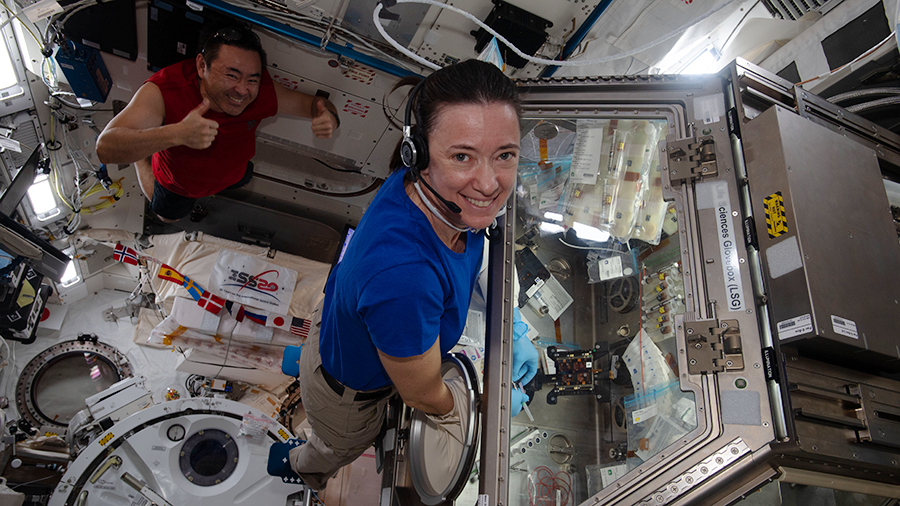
140	501
795	327
844	327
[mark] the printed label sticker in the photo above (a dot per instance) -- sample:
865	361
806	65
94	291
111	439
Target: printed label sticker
795	327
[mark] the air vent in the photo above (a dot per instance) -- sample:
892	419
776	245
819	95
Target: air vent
26	134
795	9
523	29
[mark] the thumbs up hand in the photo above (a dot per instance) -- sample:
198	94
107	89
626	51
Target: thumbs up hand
197	131
324	122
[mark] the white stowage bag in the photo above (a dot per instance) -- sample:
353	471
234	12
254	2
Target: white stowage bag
196	257
252	281
264	357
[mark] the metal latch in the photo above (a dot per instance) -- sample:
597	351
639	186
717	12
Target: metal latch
692	158
345	63
713	346
880	411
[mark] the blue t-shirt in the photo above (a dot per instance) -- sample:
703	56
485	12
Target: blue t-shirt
396	290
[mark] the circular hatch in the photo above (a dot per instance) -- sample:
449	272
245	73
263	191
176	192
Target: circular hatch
190	452
53	386
428	472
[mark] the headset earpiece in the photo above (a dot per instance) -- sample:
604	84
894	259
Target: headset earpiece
414	147
414	152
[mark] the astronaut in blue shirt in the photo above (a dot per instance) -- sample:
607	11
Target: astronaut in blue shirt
398	300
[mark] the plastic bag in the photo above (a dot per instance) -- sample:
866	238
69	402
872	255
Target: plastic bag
491	54
658	418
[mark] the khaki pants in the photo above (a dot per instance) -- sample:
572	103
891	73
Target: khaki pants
443	443
342	428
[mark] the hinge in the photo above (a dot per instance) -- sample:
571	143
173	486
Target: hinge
692	158
713	346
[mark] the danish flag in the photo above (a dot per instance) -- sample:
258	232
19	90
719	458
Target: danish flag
211	302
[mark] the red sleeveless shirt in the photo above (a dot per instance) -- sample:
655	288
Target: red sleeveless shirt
197	173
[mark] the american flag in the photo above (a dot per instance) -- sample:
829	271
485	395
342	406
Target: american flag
211	302
300	327
125	254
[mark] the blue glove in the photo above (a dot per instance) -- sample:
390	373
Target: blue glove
516	398
525	356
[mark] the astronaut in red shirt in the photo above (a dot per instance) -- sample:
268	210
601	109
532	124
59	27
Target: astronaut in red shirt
190	129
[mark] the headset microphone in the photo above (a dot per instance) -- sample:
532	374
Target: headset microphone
414	151
450	205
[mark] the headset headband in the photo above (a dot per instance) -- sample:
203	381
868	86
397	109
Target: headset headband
407	125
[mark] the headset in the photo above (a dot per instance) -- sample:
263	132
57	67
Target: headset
414	150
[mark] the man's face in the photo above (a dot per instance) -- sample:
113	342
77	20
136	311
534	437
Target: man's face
231	80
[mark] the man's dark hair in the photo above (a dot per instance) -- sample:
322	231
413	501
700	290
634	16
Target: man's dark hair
467	82
236	36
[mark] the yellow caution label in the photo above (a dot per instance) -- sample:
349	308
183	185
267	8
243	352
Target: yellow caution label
776	219
284	435
106	439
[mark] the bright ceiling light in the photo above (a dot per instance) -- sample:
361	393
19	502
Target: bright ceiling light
8	76
70	277
43	203
704	63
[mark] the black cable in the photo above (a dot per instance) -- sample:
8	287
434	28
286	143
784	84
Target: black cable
387	115
738	25
33	481
337	169
70	106
194	384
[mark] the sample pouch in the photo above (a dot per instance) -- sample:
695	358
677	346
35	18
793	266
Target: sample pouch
252	281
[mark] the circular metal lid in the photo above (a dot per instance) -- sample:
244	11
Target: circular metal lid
546	131
432	486
54	384
191	452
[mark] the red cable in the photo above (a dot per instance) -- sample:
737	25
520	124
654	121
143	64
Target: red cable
641	330
543	486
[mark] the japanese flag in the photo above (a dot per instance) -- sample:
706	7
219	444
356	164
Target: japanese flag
279	322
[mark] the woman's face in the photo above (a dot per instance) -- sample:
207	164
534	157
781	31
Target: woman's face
473	155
